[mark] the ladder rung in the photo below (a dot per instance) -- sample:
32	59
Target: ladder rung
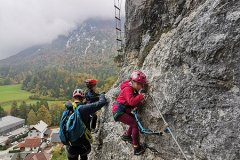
117	7
119	50
118	39
117	18
118	29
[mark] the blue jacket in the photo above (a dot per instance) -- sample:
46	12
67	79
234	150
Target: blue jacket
88	109
91	96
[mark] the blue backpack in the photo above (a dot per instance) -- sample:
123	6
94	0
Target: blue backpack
72	128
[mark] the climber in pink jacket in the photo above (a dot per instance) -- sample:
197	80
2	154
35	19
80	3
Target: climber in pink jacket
128	99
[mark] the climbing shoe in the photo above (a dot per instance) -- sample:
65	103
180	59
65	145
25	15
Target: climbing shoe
139	150
126	138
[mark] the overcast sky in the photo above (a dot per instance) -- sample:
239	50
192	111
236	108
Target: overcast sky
24	23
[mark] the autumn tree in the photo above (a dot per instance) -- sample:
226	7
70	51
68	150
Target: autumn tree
44	115
2	112
44	103
56	113
32	118
14	109
23	110
107	84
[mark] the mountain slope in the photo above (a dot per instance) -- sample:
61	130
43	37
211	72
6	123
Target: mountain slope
88	48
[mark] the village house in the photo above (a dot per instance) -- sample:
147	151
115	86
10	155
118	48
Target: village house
39	130
31	156
30	144
38	156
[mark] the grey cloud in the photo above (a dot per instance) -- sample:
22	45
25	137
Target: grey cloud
24	23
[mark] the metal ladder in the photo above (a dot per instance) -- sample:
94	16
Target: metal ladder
117	6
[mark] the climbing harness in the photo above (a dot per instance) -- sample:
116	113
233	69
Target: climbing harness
167	128
145	131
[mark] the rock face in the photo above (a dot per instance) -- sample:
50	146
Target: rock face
190	51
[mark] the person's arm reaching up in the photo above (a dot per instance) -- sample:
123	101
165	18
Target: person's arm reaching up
130	98
91	108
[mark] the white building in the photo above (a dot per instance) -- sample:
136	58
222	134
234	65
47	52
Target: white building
9	124
39	130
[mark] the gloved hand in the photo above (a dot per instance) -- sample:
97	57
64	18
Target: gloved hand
134	109
102	97
140	91
106	100
144	89
68	105
143	94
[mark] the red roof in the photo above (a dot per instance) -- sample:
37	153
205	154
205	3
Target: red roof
20	145
38	156
33	142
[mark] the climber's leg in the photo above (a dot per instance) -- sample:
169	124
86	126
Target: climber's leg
133	127
72	153
129	132
84	157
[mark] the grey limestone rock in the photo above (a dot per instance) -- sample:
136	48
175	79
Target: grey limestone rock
190	52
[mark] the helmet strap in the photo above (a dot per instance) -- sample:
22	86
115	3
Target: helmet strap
78	99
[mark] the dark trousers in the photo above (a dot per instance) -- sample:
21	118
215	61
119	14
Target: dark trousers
93	122
76	158
73	153
84	148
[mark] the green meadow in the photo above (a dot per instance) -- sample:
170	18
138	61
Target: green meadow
10	93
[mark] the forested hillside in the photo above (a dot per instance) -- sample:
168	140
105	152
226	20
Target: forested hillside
54	70
55	83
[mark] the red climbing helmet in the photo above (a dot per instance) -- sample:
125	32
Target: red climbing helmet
78	93
139	77
91	82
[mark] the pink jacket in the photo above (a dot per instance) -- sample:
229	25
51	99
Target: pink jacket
127	97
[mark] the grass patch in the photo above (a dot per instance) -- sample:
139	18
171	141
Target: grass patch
59	153
10	93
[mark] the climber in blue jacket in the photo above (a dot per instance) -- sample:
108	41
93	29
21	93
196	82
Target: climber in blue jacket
91	96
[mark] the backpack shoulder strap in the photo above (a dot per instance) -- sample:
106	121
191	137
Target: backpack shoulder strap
74	105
